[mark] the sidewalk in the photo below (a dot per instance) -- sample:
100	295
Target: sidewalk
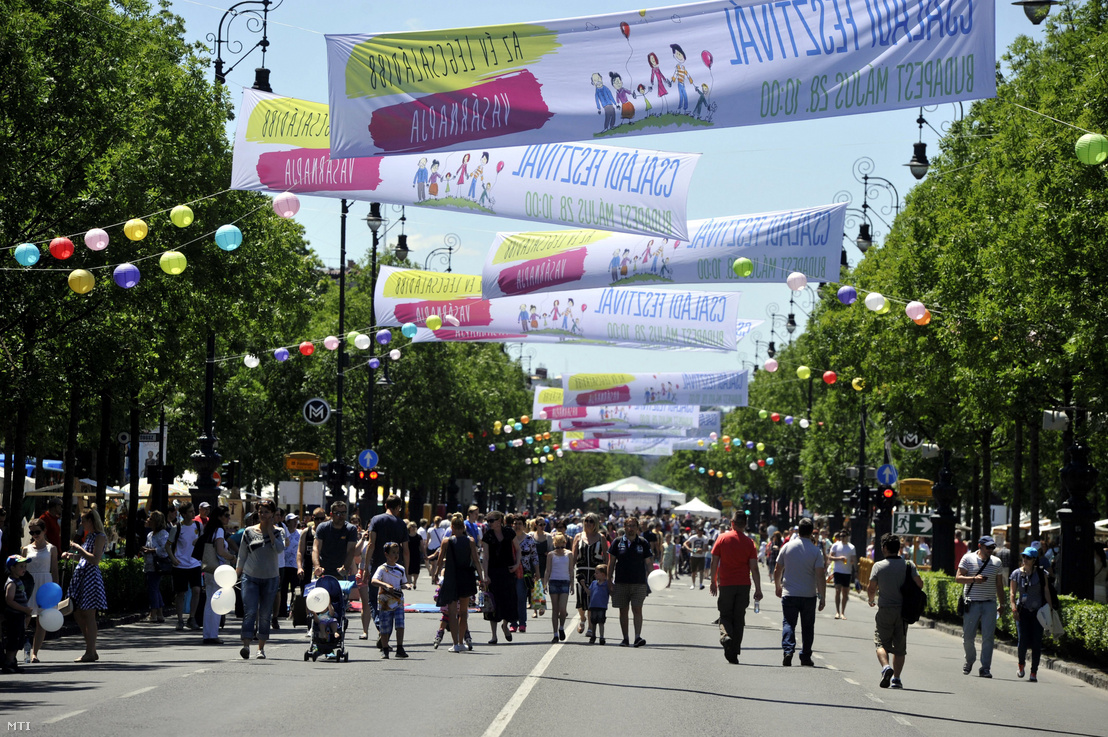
1092	676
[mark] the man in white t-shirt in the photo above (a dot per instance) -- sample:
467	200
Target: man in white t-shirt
186	569
800	581
697	545
844	555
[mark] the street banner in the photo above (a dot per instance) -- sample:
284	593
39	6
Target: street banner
282	144
625	315
580	418
727	388
411	295
717	64
623	446
709	423
778	243
455	335
546	398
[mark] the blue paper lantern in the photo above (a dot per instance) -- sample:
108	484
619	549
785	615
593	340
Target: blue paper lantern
530	440
492	447
518	426
281	354
27	254
788	419
126	275
408	330
769	461
383	336
546	449
374	363
692	466
847	295
700	470
750	444
228	237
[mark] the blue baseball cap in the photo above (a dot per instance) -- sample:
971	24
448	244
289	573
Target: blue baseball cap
1030	552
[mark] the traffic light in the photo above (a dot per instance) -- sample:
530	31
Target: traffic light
229	474
888	493
361	483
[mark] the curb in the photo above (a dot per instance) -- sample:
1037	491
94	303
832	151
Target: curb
1091	676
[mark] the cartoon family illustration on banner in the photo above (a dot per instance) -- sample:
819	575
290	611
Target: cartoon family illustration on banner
556	320
472	188
650	265
615	102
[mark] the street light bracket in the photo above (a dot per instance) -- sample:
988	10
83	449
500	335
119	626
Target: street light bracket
257	21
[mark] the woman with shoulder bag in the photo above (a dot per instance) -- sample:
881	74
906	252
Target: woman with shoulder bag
156	562
211	550
1028	594
259	567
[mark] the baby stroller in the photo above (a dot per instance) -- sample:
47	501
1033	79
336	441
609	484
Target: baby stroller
324	642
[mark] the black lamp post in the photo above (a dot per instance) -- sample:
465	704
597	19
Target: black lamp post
374	221
943	520
257	20
1036	10
872	187
1077	518
443	254
919	163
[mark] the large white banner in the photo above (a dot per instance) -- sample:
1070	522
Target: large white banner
625	446
580	418
727	388
684	67
625	315
778	243
282	144
709	422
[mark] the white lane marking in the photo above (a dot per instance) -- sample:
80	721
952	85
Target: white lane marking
831	667
54	720
137	692
902	720
202	670
851	681
871	697
817	656
505	716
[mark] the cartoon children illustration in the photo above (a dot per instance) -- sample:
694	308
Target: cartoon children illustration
641	92
627	110
478	174
702	100
567	315
646	396
647	252
657	79
555	313
624	262
524	317
433	179
534	318
654	264
420	180
604	101
680	76
462	170
665	268
447	179
614	265
486	194
576	326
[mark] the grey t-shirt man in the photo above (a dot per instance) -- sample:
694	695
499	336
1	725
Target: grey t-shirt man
801	561
889	575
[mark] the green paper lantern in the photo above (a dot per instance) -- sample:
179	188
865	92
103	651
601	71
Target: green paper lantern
760	447
803	372
763	414
181	216
1091	149
743	267
173	262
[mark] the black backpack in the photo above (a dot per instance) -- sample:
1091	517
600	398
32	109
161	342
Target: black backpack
913	598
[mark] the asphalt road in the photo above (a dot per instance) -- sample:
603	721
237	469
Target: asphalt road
152	679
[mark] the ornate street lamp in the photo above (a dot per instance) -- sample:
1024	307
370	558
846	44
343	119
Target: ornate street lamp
257	20
919	164
1036	10
444	254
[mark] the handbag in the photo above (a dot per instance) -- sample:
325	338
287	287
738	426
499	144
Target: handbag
162	564
965	596
1057	628
209	561
1043	615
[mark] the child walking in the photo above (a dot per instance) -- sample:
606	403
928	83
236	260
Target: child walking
559	564
598	604
668	557
16	611
391	580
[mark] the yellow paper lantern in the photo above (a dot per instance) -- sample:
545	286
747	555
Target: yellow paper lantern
173	262
81	281
803	372
858	383
135	229
181	216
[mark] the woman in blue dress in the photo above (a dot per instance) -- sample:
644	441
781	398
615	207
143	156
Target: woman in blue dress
86	589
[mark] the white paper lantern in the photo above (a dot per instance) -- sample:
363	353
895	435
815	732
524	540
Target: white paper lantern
451	320
914	310
362	341
330	342
804	424
875	301
797	281
394	354
251	361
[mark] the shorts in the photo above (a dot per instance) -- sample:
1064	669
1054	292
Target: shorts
185	579
558	588
624	594
696	564
890	633
598	616
843	579
390	619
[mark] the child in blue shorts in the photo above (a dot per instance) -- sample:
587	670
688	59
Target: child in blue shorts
391	580
598	604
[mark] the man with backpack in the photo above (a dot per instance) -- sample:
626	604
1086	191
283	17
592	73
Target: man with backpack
186	569
888	581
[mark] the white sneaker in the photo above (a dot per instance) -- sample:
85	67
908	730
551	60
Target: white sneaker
692	586
458	649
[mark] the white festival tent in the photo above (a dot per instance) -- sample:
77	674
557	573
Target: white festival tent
634	491
698	508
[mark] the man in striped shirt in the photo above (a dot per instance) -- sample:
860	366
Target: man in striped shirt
983	591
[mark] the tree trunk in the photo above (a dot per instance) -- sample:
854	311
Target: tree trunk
987	481
104	447
1033	479
70	462
132	506
975	501
13	536
1014	542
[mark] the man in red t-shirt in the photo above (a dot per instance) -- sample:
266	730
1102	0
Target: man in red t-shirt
734	564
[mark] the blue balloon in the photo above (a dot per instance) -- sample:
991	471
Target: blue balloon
27	254
48	595
228	237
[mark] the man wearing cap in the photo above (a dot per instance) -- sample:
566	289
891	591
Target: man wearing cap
982	590
205	510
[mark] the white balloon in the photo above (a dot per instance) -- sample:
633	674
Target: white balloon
657	580
223	601
394	354
318	600
50	620
362	341
225	576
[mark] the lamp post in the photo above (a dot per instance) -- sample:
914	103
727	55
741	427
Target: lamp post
374	221
1036	10
206	459
443	254
943	520
337	477
1076	518
872	187
257	19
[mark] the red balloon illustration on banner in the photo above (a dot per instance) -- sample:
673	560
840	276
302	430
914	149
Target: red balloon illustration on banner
626	30
499	166
706	56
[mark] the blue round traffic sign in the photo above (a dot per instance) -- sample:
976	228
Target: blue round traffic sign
887	474
367	459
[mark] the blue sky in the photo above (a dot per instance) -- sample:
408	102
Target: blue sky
744	170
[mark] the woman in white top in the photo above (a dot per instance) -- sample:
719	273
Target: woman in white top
43	565
215	534
558	578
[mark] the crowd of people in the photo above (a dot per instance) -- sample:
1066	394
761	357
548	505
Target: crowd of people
514	569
